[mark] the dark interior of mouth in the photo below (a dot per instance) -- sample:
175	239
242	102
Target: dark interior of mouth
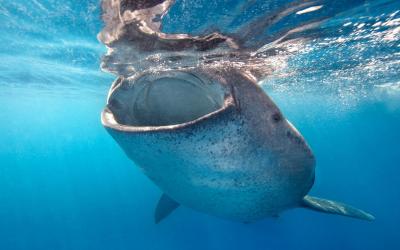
167	100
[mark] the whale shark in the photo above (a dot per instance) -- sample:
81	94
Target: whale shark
213	140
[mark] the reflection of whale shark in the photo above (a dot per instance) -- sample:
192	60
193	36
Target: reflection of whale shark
213	141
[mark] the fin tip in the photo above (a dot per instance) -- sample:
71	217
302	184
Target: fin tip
333	207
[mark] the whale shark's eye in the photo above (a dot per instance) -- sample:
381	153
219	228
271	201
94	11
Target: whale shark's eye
276	117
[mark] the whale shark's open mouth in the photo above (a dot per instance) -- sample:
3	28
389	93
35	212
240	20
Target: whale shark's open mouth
164	99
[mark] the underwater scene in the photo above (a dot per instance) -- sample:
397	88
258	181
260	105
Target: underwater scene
199	124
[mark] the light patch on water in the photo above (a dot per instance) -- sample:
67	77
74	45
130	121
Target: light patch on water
40	6
356	65
310	9
391	88
389	94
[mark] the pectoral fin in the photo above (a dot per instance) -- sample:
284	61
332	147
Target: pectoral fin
164	207
333	207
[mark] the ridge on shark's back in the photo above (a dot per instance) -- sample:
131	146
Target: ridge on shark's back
212	140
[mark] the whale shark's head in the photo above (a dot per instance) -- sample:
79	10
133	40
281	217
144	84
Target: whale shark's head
172	100
166	99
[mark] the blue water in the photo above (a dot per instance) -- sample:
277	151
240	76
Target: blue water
65	183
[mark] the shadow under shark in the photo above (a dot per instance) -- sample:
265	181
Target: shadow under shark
212	140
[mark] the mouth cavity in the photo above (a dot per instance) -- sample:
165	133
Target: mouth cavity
165	99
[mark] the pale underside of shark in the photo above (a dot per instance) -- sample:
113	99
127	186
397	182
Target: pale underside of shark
212	140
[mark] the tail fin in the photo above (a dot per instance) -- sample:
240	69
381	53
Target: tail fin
333	207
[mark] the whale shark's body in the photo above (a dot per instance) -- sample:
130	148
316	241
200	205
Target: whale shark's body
212	140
